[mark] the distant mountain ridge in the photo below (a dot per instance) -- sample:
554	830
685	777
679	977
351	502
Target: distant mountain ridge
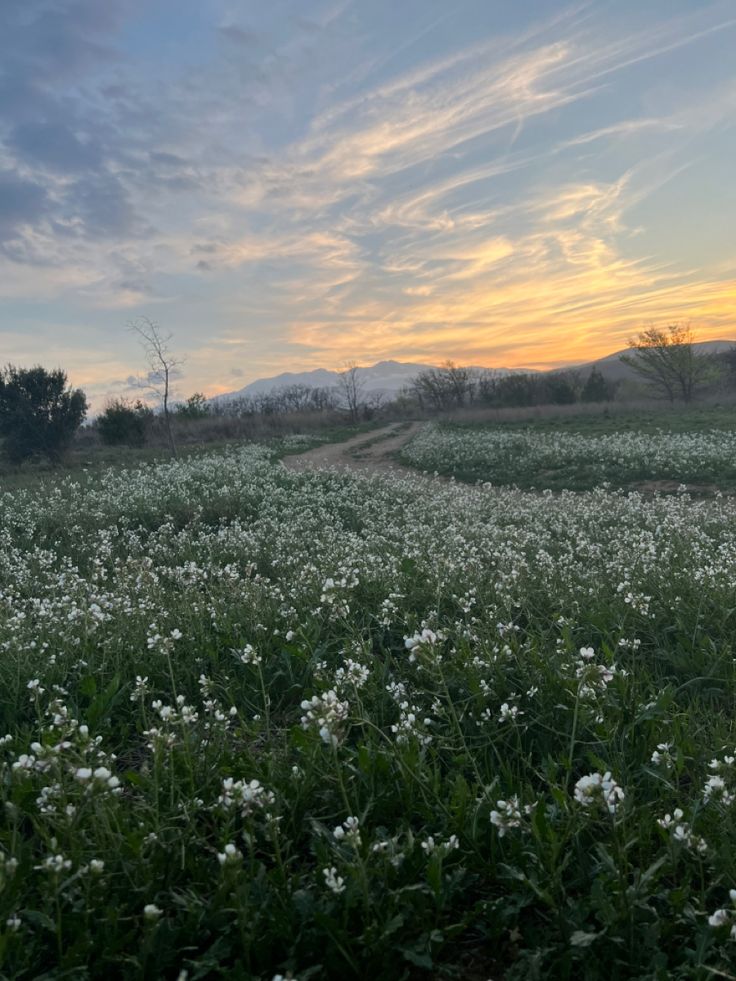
388	378
385	378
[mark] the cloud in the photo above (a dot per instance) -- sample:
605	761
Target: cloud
22	202
350	185
54	146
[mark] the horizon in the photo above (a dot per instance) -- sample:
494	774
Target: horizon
291	188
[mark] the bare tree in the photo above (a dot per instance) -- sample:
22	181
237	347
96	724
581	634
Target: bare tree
162	365
668	361
449	386
351	387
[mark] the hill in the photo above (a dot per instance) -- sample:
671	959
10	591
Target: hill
614	369
386	378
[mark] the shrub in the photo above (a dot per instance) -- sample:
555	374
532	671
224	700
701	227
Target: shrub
122	423
39	414
195	407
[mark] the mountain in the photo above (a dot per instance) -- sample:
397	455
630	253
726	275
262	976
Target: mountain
385	377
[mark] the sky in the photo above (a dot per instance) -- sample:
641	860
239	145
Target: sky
298	184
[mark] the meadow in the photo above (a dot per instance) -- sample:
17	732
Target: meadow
582	453
260	724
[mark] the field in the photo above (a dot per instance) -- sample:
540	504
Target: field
648	452
266	724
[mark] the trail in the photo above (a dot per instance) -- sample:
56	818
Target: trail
369	452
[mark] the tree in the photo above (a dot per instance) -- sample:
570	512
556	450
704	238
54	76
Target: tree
668	361
446	387
195	407
162	367
597	388
558	388
351	387
516	390
121	423
39	413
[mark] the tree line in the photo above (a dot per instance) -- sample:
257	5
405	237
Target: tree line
40	412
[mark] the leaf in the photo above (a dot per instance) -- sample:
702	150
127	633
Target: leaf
418	958
37	918
408	566
88	686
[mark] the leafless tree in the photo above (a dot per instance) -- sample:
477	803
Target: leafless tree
351	387
162	365
667	359
449	386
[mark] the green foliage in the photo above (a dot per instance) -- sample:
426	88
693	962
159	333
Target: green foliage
39	413
195	407
518	390
123	424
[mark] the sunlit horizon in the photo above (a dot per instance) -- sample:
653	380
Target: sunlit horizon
296	187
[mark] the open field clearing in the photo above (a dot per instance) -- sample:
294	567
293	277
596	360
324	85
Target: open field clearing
534	458
353	725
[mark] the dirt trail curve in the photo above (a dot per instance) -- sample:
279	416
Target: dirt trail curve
369	452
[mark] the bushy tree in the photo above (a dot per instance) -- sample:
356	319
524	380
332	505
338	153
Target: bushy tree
195	407
122	423
557	389
39	412
597	388
515	390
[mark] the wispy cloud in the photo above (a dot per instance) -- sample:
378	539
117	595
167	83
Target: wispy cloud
301	188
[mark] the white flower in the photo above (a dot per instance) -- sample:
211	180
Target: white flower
248	797
507	816
429	845
348	831
326	713
661	755
151	911
597	787
427	638
248	655
509	713
716	789
13	922
720	918
333	881
96	866
55	864
230	855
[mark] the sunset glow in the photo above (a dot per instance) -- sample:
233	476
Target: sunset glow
291	187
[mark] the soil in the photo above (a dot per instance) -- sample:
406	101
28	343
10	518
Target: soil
370	452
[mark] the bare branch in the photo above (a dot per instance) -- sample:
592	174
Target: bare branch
162	365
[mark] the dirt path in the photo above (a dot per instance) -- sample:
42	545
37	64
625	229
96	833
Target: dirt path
369	452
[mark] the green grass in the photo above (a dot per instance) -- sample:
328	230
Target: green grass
602	421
